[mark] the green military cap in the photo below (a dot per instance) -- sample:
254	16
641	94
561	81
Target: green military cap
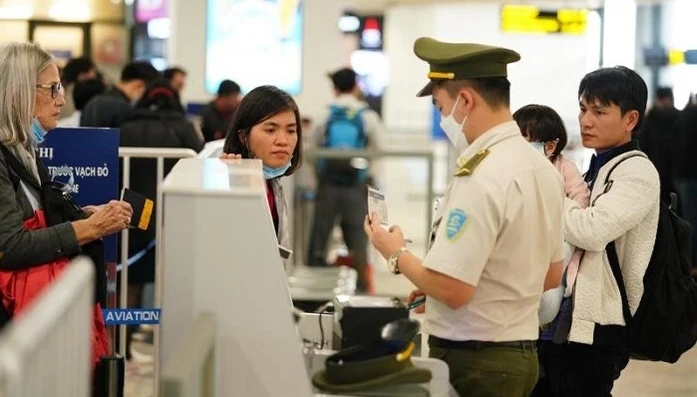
460	61
366	368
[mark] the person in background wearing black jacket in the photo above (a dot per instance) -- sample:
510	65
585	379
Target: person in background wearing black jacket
658	136
685	170
83	92
217	116
114	107
177	79
157	122
75	71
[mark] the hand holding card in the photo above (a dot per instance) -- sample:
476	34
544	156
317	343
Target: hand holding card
377	205
142	208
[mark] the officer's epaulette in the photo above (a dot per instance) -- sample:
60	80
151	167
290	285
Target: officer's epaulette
470	165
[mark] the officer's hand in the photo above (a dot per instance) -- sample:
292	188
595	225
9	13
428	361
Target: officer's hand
386	242
230	156
413	295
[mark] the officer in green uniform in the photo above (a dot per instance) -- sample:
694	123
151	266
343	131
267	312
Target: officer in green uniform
497	237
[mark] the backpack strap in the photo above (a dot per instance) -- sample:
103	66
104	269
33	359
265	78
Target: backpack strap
609	181
611	249
607	178
361	125
327	124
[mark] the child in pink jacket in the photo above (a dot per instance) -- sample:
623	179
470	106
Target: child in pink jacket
544	129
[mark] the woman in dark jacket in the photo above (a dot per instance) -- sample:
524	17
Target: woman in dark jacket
36	242
157	122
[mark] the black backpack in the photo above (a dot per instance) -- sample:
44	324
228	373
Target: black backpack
665	323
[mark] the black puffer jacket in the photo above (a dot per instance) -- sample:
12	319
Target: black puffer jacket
686	149
155	129
658	140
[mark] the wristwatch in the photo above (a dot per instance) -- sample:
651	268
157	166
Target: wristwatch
392	260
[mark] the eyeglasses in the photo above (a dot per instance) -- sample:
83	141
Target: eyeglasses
56	88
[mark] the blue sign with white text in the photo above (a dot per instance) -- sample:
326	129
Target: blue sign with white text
131	316
87	161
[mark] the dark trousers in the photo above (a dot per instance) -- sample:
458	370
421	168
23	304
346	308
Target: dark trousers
490	370
349	204
578	370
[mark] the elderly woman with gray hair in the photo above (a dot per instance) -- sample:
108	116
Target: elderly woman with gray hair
40	230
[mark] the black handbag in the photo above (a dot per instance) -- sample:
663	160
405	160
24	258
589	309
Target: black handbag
59	206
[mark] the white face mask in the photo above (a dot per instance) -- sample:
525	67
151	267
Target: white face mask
454	130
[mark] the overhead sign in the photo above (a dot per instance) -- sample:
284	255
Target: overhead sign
530	19
659	56
146	10
676	57
371	33
691	57
655	56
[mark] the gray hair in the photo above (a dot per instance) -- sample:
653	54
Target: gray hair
20	66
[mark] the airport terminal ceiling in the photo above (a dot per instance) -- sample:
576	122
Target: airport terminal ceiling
111	9
63	10
372	6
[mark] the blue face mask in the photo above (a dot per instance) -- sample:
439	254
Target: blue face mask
271	173
37	131
540	147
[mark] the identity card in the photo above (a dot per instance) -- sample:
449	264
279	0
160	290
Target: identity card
378	205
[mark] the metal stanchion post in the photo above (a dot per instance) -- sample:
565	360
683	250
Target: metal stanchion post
123	301
110	370
112	297
158	272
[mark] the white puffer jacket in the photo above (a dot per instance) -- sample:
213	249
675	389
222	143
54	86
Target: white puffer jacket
626	213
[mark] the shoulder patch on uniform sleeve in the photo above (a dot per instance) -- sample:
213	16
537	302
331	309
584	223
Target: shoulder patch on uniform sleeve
456	224
470	165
